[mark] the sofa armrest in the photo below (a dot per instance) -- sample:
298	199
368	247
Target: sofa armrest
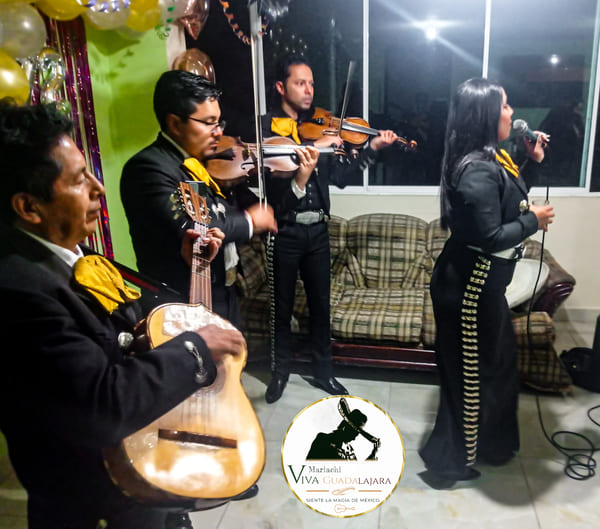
558	285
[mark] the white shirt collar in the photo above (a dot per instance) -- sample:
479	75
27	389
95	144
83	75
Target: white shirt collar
175	144
67	256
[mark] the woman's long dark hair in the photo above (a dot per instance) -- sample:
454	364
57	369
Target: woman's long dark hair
472	127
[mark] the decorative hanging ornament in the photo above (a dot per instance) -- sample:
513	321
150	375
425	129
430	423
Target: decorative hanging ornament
235	27
51	71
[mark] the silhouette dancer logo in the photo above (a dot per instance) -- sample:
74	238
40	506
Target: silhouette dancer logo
342	456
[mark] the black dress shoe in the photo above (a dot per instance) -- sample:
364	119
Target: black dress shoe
275	388
331	386
250	493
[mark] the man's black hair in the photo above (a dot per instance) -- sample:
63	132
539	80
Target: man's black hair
282	71
27	135
178	92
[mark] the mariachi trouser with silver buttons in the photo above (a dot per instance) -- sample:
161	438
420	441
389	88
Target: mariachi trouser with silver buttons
476	353
300	248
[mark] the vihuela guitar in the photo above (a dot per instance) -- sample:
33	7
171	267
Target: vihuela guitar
210	448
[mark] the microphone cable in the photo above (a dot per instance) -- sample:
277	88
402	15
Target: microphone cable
580	463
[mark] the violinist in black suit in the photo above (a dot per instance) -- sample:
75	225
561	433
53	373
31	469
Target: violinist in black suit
188	112
68	386
301	206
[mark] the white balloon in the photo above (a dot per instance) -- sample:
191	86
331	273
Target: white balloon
24	30
108	18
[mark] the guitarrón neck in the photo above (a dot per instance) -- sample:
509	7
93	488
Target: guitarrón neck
200	289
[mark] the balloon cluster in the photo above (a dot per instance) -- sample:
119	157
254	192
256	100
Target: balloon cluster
27	66
22	37
133	17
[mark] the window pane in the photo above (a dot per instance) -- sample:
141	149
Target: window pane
412	78
543	57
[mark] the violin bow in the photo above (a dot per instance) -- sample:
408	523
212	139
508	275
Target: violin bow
258	76
351	66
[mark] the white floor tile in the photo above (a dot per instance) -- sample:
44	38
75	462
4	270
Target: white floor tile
559	501
498	499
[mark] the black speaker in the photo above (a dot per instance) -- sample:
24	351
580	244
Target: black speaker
583	363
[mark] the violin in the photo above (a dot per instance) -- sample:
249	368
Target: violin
235	160
354	131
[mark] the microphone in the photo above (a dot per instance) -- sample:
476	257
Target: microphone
522	129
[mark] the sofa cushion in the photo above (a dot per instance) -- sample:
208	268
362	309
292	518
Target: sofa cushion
436	238
378	314
385	246
253	263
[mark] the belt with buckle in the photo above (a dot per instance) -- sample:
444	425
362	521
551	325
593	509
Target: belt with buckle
510	253
305	217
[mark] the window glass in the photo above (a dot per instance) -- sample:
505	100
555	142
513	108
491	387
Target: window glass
418	53
542	54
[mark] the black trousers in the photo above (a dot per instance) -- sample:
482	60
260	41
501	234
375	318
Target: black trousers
305	249
476	354
225	303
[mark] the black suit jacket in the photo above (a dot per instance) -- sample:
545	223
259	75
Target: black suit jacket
486	210
157	223
66	387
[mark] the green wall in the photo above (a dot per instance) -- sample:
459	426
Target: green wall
123	74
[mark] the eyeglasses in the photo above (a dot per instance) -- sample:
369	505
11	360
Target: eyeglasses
215	125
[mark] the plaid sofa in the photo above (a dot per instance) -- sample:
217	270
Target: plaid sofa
381	310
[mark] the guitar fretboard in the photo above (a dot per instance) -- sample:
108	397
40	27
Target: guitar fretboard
200	289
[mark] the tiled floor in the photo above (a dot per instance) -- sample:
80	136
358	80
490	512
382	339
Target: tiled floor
531	492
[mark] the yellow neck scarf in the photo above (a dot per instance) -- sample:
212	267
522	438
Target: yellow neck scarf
505	161
199	173
101	279
286	127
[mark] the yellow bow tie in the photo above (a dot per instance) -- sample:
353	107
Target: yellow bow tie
101	279
506	161
200	174
286	127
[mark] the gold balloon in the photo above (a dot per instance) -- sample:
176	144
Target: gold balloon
61	9
195	61
143	20
143	5
13	80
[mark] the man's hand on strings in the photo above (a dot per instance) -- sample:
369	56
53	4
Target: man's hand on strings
212	242
385	139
